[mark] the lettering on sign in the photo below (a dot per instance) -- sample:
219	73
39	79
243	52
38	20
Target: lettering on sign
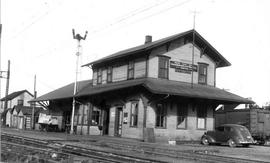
183	67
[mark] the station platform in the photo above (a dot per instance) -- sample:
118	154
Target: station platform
137	147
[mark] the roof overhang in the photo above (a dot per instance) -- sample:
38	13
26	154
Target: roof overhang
159	86
145	48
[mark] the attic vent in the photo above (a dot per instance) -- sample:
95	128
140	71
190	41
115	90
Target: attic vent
148	39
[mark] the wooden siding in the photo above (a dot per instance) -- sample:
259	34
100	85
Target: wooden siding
119	73
171	131
133	132
104	76
140	68
153	67
182	53
94	77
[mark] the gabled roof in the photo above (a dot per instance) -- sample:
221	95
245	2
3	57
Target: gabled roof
175	88
63	92
14	95
199	40
27	110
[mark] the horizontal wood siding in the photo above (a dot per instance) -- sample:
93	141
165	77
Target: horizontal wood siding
140	68
153	67
104	76
119	73
171	131
182	53
94	77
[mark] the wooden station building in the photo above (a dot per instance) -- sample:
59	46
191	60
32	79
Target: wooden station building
164	88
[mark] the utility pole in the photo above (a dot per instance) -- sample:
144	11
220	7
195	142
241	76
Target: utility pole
7	85
193	45
78	37
34	105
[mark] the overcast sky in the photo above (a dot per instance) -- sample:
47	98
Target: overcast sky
37	38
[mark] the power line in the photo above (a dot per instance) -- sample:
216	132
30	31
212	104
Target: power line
129	15
34	22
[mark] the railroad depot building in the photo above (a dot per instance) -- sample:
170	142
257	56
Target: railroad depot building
157	91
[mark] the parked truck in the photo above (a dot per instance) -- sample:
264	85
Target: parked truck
256	120
48	122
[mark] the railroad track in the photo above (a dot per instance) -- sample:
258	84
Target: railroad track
200	156
59	149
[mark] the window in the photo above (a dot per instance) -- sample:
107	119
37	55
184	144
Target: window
99	76
201	117
20	102
134	114
163	68
109	74
96	113
202	79
80	115
182	110
131	70
85	115
161	116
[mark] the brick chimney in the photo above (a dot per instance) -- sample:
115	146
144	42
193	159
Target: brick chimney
148	39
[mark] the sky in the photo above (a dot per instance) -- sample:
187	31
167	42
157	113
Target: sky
37	38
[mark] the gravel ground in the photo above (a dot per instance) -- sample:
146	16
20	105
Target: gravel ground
254	152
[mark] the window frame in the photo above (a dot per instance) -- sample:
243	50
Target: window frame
109	74
205	109
99	76
162	116
163	60
134	115
130	69
201	73
180	107
94	116
20	102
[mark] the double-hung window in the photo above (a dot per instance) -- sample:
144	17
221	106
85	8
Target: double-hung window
131	70
201	116
182	112
20	102
109	74
134	114
202	79
99	76
161	116
163	70
96	114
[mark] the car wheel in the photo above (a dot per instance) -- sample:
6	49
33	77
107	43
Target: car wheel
205	141
231	143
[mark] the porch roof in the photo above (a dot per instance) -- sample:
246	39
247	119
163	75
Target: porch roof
161	86
63	92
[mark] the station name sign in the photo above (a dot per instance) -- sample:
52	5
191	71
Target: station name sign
183	67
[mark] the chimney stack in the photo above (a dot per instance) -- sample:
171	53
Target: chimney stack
148	39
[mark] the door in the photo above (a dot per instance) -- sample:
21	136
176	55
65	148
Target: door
220	134
118	121
106	121
20	123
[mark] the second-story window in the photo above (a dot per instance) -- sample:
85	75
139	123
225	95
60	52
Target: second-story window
109	74
99	76
20	102
163	70
131	70
202	79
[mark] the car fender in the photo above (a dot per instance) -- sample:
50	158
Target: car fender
210	138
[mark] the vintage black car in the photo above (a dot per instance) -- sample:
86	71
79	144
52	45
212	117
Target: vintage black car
231	134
